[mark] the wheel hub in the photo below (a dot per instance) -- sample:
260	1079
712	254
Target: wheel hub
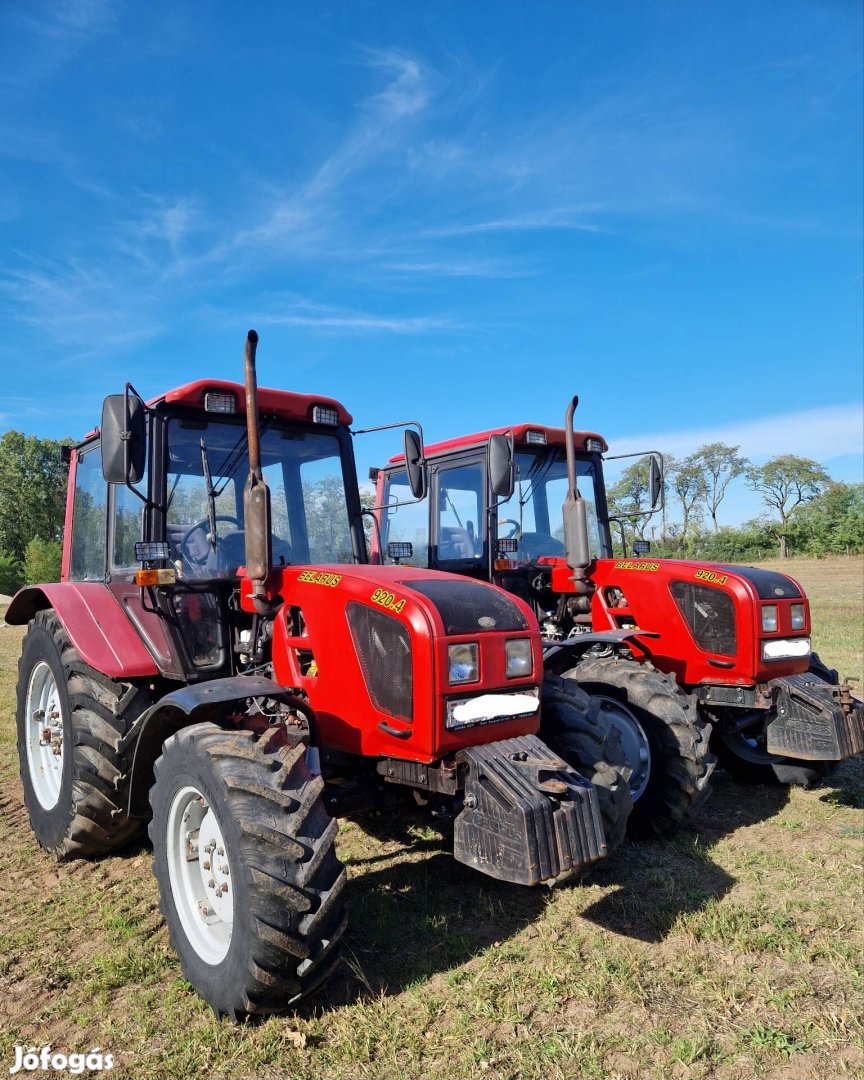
44	735
634	743
200	874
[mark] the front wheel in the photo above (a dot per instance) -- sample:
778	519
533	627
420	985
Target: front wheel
573	726
666	744
249	881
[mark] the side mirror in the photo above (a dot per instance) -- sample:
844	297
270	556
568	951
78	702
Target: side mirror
124	438
655	479
501	469
415	464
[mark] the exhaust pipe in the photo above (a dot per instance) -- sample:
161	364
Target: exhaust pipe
576	546
256	495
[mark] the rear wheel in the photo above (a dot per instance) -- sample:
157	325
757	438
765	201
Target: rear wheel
71	724
249	882
665	743
573	727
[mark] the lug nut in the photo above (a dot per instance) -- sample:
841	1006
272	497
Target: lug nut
211	884
206	864
223	888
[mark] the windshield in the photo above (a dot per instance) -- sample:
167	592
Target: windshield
204	521
533	514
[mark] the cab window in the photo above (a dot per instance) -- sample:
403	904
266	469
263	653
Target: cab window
408	523
460	513
89	519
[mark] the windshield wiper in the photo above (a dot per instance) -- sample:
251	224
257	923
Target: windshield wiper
211	496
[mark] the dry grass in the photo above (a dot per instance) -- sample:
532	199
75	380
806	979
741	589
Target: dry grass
732	951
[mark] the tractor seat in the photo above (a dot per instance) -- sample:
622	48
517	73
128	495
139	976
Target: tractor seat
455	543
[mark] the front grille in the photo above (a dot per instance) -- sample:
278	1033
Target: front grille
468	607
710	615
384	650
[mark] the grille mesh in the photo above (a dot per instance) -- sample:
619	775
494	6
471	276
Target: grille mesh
467	607
710	614
384	650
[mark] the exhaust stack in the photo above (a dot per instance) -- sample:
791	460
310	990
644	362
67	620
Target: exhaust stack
576	546
256	494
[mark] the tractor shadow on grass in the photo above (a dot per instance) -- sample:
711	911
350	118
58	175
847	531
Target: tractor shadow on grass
654	883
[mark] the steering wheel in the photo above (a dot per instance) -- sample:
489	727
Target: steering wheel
203	524
514	533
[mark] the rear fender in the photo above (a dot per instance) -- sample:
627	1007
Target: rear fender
97	625
215	701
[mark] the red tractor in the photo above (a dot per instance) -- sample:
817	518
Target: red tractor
220	659
687	660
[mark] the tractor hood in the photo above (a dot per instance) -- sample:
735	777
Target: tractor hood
716	623
376	649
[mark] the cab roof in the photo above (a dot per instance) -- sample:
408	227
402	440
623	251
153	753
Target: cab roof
281	403
554	437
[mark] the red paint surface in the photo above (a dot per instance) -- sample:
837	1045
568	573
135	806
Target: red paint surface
554	437
96	624
339	695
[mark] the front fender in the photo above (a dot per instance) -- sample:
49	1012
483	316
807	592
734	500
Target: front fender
559	655
213	701
97	625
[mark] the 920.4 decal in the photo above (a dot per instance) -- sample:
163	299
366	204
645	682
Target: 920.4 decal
387	600
710	575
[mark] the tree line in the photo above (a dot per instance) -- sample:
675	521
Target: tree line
806	512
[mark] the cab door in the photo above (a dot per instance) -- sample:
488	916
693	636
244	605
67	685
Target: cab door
458	540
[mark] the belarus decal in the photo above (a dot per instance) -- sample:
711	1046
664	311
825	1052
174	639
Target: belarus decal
319	577
632	564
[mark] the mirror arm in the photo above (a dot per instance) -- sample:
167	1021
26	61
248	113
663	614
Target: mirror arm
126	436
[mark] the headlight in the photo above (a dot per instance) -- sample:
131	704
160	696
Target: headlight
769	618
798	616
519	659
464	663
785	648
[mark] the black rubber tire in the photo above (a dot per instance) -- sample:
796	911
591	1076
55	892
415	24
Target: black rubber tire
289	913
754	765
679	740
90	816
573	727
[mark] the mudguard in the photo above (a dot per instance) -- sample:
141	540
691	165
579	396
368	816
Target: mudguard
558	655
97	625
213	701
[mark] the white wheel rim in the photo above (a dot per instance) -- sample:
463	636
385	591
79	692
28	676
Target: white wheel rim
44	735
200	875
634	743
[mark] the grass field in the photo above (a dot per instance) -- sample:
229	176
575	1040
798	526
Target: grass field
732	951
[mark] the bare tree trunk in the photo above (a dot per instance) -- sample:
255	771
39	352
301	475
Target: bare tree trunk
782	545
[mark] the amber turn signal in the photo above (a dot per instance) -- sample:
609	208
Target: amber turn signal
155	577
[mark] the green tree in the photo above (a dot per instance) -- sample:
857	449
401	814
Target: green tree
32	491
785	482
42	561
832	523
11	574
720	465
689	482
630	497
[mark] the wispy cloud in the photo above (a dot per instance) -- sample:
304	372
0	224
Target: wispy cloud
823	434
485	269
51	33
339	320
531	222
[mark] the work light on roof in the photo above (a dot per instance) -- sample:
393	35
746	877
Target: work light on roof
594	446
220	403
538	437
325	414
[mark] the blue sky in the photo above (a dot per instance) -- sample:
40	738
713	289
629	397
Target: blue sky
457	212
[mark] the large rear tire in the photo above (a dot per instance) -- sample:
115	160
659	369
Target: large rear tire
249	881
573	726
71	724
666	743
